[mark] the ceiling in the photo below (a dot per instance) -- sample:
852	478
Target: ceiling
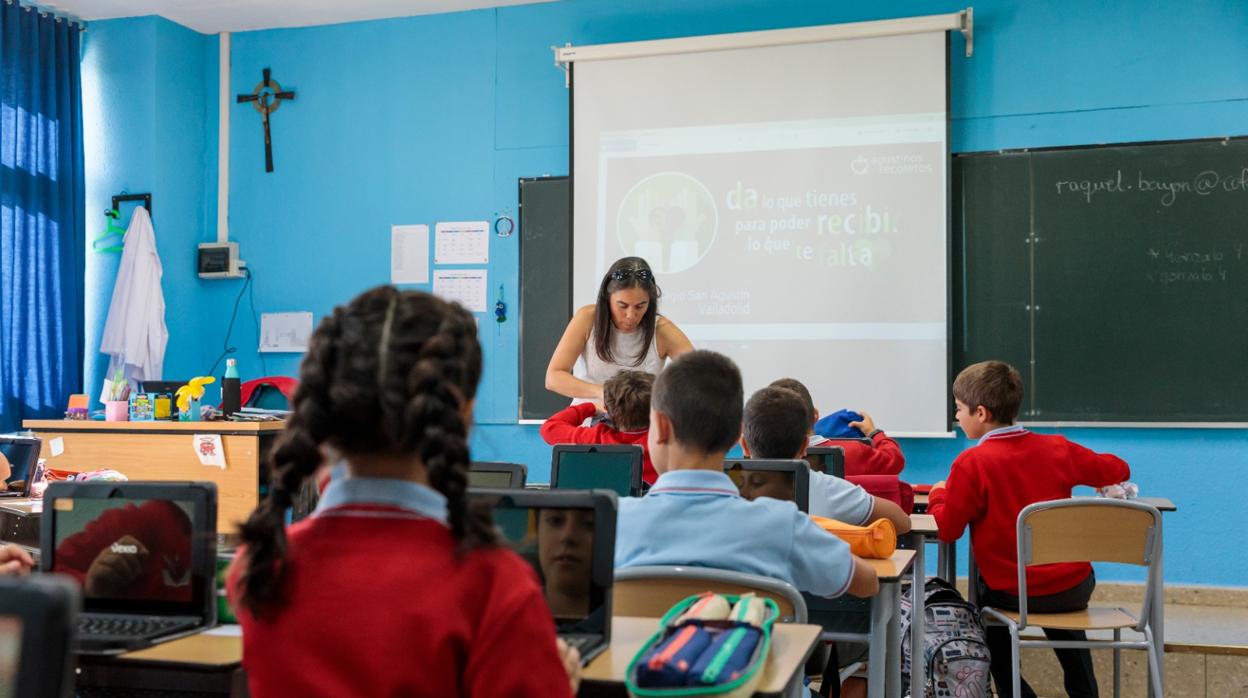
213	16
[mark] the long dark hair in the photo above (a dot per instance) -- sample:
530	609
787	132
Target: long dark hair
627	272
386	374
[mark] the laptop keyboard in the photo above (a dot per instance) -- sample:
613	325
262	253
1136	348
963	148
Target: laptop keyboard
582	642
127	626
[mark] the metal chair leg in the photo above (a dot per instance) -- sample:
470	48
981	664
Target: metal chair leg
1154	662
1117	664
1016	671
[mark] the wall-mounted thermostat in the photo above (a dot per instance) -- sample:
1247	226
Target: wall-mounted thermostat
219	260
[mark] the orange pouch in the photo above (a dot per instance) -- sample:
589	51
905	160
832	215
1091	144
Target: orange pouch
876	540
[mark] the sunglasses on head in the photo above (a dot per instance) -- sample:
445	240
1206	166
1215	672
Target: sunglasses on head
638	273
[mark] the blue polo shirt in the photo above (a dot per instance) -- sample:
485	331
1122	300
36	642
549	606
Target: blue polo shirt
699	518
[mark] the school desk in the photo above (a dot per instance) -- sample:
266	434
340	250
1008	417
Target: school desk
166	451
209	664
791	645
882	629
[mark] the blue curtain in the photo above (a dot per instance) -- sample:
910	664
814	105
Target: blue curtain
42	232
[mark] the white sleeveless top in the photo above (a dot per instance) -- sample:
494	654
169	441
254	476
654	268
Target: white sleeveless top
624	347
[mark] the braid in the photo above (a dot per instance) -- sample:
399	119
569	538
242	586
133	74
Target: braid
294	457
446	361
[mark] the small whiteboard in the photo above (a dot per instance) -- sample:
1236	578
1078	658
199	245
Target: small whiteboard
285	332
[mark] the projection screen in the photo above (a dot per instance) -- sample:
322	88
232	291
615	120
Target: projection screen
793	202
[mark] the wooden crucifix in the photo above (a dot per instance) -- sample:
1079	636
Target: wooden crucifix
266	98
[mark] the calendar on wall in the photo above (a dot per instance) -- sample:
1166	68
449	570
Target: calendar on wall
464	286
463	242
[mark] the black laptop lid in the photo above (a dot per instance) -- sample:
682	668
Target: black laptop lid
788	480
607	467
134	547
22	452
568	537
497	475
37	621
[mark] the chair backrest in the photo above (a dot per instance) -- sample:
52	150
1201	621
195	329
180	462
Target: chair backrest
1088	529
650	591
496	474
38	617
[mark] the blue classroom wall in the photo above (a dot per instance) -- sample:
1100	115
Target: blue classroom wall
429	118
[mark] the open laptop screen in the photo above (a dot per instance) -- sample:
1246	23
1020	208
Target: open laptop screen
10	654
787	480
131	553
496	479
569	539
22	453
615	470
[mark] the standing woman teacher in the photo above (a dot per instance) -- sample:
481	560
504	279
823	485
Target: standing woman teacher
622	330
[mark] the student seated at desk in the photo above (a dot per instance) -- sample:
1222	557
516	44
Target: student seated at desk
394	586
694	514
989	484
626	399
881	457
775	427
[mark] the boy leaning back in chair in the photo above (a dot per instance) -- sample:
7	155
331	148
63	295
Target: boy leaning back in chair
694	514
989	484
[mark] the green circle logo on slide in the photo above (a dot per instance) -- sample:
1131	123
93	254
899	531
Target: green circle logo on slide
669	219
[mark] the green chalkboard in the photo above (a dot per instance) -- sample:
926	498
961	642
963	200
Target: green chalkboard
545	288
1114	277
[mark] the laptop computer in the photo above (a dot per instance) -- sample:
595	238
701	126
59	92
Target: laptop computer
615	467
568	536
36	627
22	453
497	475
788	480
827	459
144	554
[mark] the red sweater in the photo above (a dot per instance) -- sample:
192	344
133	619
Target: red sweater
564	427
380	604
990	484
884	457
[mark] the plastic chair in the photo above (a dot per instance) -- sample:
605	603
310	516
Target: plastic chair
1083	529
284	384
650	591
38	615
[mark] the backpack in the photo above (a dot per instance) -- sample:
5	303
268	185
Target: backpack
954	648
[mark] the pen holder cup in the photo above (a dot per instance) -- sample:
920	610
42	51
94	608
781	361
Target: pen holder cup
116	411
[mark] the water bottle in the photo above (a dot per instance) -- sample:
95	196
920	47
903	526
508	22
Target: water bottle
230	389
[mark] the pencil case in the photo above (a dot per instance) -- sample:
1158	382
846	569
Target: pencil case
729	665
877	539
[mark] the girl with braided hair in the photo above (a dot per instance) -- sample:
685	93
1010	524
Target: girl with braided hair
394	586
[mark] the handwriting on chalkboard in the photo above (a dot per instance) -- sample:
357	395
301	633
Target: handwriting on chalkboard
1191	267
1168	190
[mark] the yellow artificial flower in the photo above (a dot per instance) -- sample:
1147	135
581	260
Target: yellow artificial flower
193	391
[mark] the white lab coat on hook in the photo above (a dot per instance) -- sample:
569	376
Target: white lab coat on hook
135	334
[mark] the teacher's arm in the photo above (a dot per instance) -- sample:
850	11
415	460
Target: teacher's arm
671	341
559	378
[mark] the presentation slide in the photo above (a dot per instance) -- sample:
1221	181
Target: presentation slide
814	248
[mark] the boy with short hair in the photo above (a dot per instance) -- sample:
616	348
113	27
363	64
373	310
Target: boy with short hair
694	515
989	484
881	457
626	401
775	427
